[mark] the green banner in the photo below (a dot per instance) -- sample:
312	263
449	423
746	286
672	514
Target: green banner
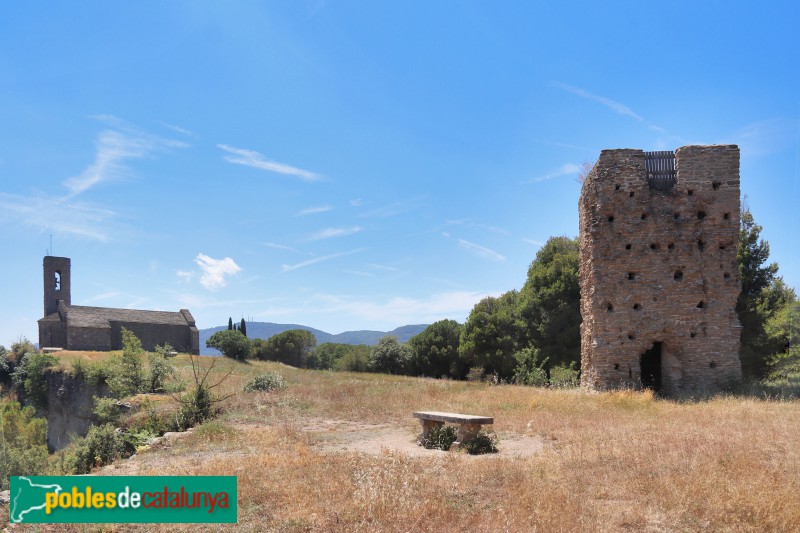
122	499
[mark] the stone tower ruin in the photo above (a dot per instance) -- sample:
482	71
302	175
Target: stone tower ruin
659	275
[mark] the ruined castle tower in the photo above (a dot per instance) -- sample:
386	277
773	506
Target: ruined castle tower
659	276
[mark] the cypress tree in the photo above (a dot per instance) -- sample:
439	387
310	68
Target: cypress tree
243	328
230	323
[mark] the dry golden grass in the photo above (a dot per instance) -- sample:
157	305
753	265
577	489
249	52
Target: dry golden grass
621	461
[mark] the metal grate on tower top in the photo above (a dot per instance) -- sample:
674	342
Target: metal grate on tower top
660	166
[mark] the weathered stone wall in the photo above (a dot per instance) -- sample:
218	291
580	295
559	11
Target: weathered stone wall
659	266
179	337
69	407
86	338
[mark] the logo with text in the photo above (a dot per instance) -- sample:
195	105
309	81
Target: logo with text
123	499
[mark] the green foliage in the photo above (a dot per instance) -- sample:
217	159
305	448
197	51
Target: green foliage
197	405
440	437
530	369
106	411
355	359
784	331
160	369
390	357
95	373
476	374
100	446
435	350
230	324
293	347
23	442
4	364
231	343
243	328
482	443
564	376
30	376
20	348
266	382
492	334
127	373
549	302
759	298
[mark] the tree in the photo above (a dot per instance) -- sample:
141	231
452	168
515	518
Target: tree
435	350
231	343
30	377
292	347
23	442
550	302
230	324
243	328
390	357
755	305
492	334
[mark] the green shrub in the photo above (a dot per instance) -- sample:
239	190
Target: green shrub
20	348
127	371
564	376
136	440
482	443
160	369
23	442
440	438
30	376
266	382
95	373
106	411
353	361
530	370
476	374
231	343
100	446
196	407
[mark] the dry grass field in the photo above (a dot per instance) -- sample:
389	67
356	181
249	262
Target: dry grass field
335	452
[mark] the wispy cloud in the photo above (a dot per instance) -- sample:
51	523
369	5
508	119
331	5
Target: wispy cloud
215	270
356	202
66	217
481	251
329	233
393	209
533	242
382	267
182	131
184	276
280	247
288	268
564	170
470	223
251	158
314	210
615	106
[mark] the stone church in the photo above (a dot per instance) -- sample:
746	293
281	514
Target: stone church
658	272
76	327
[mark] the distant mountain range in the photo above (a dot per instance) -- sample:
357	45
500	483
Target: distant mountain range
265	330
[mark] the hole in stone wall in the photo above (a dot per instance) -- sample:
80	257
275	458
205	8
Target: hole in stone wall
678	275
690	192
676	215
671	246
726	216
611	218
644	216
609	308
630	337
653	246
715	185
701	245
636	307
630	373
727	275
712	364
627	246
693	334
701	215
617	187
701	304
721	246
630	194
631	275
616	366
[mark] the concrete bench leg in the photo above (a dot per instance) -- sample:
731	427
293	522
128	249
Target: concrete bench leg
427	426
466	432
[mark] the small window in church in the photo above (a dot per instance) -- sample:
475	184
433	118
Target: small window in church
58	281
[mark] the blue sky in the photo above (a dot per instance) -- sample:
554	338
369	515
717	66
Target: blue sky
357	165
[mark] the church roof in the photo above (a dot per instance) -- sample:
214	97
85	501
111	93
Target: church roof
101	317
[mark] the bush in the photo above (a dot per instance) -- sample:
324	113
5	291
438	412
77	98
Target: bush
99	447
127	376
390	356
564	376
530	370
30	376
265	382
482	443
440	438
196	407
356	360
20	348
95	373
476	374
23	442
161	369
106	411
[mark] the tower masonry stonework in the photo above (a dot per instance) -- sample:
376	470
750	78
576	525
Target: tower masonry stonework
658	270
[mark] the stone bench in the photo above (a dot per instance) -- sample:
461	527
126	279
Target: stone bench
468	425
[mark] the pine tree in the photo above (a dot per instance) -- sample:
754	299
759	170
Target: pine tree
230	323
243	328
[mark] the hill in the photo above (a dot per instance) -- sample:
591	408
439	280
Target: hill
265	330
